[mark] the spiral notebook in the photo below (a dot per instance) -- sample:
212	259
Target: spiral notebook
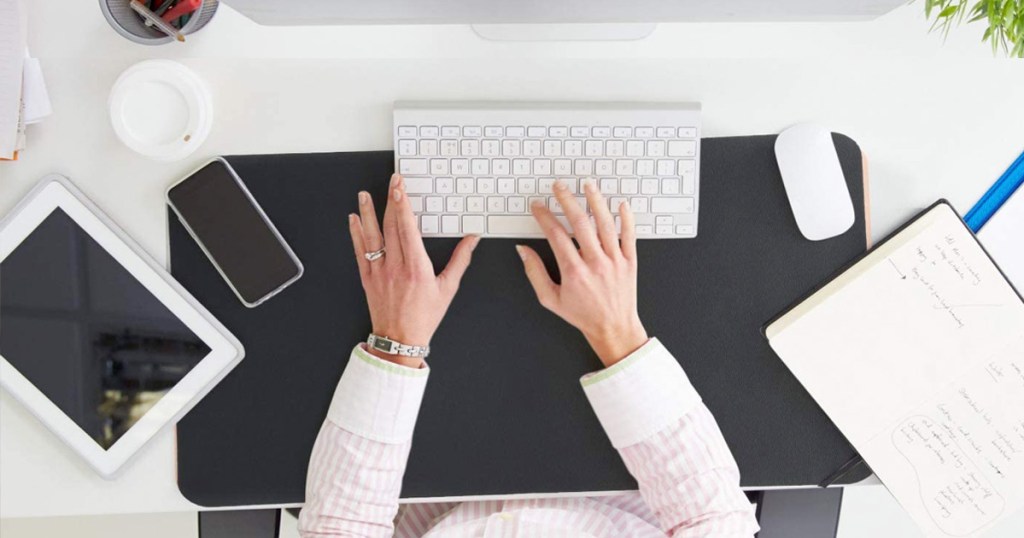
916	352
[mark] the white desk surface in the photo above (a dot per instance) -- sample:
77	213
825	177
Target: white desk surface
936	121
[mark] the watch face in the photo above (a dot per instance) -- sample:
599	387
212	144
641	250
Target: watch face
380	344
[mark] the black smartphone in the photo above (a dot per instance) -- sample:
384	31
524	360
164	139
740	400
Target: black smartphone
234	232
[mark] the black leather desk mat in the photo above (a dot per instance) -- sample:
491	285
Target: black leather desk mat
503	411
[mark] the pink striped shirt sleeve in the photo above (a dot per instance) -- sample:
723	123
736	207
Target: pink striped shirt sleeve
671	444
359	457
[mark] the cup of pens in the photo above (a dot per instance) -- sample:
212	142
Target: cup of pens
155	22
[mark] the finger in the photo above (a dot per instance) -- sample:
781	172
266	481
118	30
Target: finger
408	230
395	254
603	220
457	265
565	252
581	228
628	231
355	228
537	274
368	218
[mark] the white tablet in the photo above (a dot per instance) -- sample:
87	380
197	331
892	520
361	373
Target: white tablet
96	339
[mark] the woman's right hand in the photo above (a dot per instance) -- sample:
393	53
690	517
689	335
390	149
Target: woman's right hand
598	290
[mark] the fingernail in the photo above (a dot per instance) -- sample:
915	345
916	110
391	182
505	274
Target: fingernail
351	217
474	242
364	197
397	193
396	181
560	185
588	185
521	251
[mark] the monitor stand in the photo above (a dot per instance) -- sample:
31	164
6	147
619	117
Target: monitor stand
565	32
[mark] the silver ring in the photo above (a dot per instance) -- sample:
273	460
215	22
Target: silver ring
375	255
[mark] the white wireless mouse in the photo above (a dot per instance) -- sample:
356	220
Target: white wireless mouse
814	181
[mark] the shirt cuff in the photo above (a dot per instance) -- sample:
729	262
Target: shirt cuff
377	399
640	395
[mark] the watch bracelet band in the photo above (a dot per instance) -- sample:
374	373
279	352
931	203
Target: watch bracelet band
387	345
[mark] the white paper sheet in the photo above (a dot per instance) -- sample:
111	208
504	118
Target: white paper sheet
917	355
1003	237
12	56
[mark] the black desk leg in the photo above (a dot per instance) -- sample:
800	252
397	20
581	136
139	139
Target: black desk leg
799	513
240	524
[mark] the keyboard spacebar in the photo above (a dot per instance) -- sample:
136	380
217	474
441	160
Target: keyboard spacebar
518	225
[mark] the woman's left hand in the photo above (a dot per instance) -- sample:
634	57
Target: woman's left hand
407	301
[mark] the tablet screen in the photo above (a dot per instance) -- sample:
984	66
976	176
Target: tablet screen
86	333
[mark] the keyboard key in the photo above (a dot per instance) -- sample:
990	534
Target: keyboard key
666	167
485	185
428	147
428	131
624	167
545	185
687	132
465	185
418	185
662	220
496	204
490	148
615	203
609	186
428	224
635	148
406	147
644	132
493	130
472	130
449	130
531	148
649	186
563	167
684	229
511	148
593	148
450	224
518	132
449	148
672	205
689	185
518	225
666	132
444	185
501	167
573	148
541	167
615	148
527	185
516	204
435	204
644	229
570	184
686	165
604	167
670	186
682	148
663	229
622	132
579	132
454	204
475	204
535	131
656	148
552	148
558	132
638	205
645	167
629	185
470	148
460	166
601	132
416	203
473	224
584	167
480	167
438	167
506	185
521	167
406	130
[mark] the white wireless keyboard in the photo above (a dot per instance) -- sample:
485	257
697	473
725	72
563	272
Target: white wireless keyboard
475	168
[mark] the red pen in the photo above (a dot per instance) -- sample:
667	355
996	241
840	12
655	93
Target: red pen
183	7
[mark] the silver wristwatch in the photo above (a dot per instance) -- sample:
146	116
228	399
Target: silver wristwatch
387	345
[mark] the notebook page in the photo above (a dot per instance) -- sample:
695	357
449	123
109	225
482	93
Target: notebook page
908	319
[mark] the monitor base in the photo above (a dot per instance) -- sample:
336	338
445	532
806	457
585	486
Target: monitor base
564	32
